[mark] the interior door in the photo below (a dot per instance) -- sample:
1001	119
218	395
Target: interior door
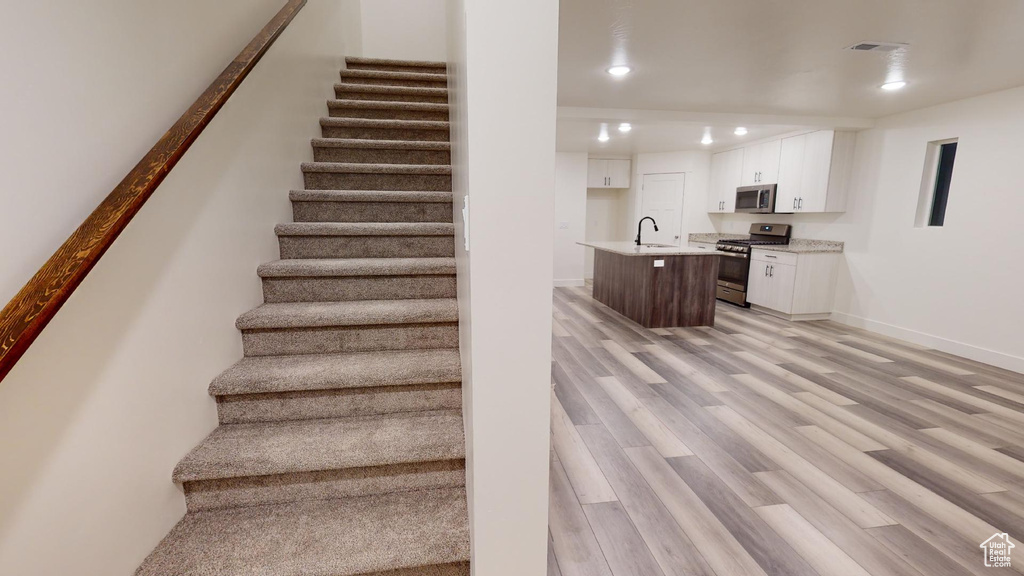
662	199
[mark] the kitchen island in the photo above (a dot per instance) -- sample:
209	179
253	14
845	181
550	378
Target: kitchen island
656	286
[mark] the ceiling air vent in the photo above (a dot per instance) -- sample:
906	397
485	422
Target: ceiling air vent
877	46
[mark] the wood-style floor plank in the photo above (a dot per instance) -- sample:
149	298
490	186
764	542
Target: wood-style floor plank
818	550
674	552
585	476
765	447
718	546
575	546
623	548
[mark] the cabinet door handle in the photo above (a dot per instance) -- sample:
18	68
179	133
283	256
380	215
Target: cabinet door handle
794	203
772	274
801	203
765	269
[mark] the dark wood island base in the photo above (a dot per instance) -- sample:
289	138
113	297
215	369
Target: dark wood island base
679	293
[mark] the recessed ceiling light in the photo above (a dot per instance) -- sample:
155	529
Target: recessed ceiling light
741	131
619	70
603	138
625	127
893	85
706	139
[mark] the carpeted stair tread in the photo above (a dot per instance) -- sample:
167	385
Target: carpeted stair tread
331	122
271	374
351	168
365	229
379	89
386	105
399	76
351	313
269	448
369	196
342	537
379	144
389	62
332	267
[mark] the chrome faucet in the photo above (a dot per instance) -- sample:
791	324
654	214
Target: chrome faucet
640	225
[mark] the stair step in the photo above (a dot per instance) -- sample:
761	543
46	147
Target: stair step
371	206
355	176
270	448
406	79
273	462
361	313
275	388
420	533
387	109
361	325
335	280
389	196
366	240
391	93
334	371
356	150
396	65
380	129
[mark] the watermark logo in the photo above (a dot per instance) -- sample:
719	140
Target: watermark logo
997	550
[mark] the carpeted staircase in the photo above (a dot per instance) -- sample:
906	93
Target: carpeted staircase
340	449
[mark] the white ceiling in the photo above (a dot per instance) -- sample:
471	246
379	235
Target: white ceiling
785	56
580	135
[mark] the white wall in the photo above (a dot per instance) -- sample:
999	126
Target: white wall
505	278
608	211
404	29
697	167
944	287
114	392
570	217
86	92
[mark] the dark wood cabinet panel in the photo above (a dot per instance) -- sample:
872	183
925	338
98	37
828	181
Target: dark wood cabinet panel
680	293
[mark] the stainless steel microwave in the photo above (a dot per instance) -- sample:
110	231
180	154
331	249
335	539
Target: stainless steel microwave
756	199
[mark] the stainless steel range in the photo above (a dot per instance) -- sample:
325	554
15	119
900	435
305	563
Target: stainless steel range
735	264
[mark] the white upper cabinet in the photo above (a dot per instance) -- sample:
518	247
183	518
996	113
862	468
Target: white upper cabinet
814	172
607	173
761	163
726	175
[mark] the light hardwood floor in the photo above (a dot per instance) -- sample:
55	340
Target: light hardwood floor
767	447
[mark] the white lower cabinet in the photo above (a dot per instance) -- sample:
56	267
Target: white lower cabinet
795	286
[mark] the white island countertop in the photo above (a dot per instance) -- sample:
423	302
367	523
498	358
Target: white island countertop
631	249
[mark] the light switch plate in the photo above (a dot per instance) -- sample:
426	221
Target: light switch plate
659	263
563	225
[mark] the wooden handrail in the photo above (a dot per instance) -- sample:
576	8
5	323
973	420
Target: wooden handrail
35	305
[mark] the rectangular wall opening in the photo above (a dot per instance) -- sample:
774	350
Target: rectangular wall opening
935	183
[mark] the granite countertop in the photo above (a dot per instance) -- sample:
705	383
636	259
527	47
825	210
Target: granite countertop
631	249
712	237
796	245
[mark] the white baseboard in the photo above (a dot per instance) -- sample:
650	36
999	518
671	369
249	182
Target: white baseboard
1000	359
569	282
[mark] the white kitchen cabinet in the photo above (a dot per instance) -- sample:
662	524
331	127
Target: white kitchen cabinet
761	163
602	173
771	285
814	172
726	175
793	286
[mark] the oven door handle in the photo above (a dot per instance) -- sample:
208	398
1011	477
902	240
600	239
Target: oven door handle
730	254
